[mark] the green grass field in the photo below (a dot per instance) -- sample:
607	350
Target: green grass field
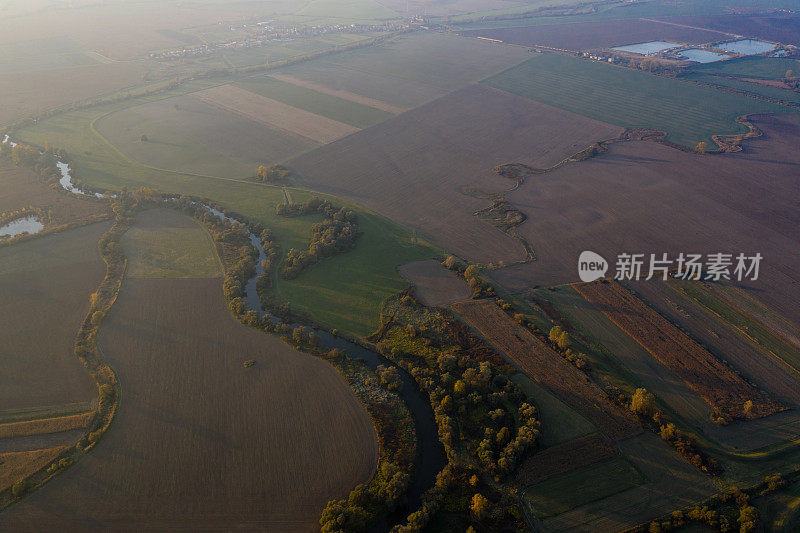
591	483
649	480
166	147
358	115
750	87
688	113
560	423
166	244
343	292
770	68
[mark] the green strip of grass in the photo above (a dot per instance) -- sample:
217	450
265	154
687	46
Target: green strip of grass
352	113
750	87
751	67
560	423
748	325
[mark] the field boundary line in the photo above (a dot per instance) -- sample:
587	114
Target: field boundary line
760	347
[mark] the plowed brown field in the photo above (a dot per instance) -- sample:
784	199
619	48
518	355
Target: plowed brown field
717	384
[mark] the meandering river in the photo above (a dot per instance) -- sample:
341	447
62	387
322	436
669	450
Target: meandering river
431	457
430	454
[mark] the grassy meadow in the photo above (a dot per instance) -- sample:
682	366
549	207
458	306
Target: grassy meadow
648	480
165	244
590	483
747	86
344	292
560	423
688	113
769	68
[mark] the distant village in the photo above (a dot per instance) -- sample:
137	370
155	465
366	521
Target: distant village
266	33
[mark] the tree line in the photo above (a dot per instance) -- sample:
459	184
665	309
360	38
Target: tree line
337	233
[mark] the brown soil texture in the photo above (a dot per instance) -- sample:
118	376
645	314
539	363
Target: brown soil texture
45	285
340	93
17	465
544	365
590	35
45	425
784	28
19	187
563	458
412	69
644	197
717	384
200	442
27	94
38	442
727	344
434	285
412	168
307	125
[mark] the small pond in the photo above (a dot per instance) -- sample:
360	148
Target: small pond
698	55
30	224
649	47
746	47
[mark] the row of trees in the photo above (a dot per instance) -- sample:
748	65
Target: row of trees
44	164
273	174
471	274
337	233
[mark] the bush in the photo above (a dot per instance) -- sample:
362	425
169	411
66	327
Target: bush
19	488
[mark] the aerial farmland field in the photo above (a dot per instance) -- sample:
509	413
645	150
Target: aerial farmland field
688	113
47	282
411	70
572	217
189	395
592	35
372	266
408	168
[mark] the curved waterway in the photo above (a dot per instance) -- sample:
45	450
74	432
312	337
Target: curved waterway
431	457
66	176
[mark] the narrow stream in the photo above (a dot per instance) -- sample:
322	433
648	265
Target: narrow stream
431	456
63	168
